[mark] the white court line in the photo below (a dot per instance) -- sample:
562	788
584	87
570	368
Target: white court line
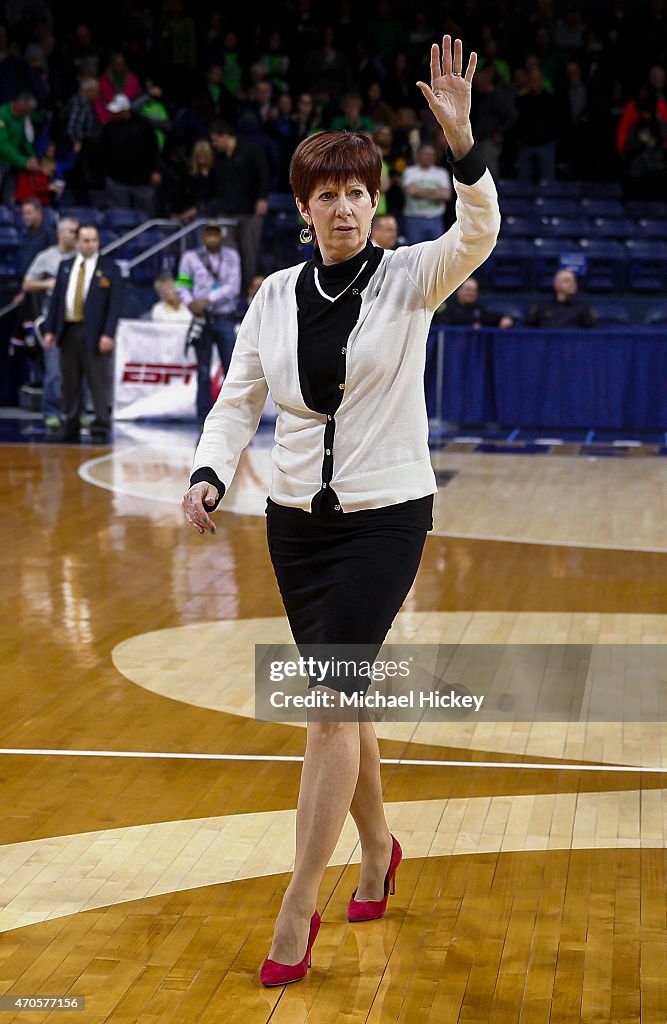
289	757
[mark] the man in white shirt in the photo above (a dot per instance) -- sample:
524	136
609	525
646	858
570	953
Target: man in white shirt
90	284
427	189
39	280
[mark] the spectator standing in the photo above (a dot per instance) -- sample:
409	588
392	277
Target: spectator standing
536	131
16	143
198	184
209	283
240	189
116	79
494	114
427	189
352	120
36	234
129	155
81	320
564	309
39	281
170	308
465	310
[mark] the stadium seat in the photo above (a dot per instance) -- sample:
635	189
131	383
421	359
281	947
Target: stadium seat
606	265
546	256
610	314
648	266
564	227
520	227
656	317
602	189
652	228
282	201
515	206
649	208
556	207
8	235
106	237
10	252
510	264
516	189
620	228
602	208
121	219
6	215
84	214
559	189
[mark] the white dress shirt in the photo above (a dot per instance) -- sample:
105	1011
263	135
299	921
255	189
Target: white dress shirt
91	263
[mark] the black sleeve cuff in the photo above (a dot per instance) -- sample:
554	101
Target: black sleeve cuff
206	475
470	168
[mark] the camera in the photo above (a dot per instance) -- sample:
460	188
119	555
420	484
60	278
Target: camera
194	333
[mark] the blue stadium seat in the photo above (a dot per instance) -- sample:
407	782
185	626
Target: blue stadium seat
565	227
649	208
106	237
559	189
546	257
282	201
8	235
602	208
84	214
556	207
611	314
516	189
515	206
648	266
121	219
520	227
602	189
10	252
606	265
656	317
652	228
510	264
6	215
621	228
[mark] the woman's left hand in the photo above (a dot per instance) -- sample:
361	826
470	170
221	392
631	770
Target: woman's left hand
448	96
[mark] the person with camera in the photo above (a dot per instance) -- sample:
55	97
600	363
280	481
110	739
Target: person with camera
209	283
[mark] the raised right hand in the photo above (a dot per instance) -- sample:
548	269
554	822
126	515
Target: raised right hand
193	504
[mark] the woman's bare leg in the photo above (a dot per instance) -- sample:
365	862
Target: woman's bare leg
328	780
367	809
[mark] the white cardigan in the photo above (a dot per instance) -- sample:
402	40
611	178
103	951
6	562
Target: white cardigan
381	455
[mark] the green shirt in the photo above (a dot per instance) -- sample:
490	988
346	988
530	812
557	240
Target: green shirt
15	150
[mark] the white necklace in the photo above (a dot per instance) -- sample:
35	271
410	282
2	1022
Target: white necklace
332	298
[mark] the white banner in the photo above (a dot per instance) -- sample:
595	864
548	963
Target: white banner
153	376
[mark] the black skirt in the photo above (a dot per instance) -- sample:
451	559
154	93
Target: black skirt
343	578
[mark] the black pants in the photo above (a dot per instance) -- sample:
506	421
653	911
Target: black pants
343	578
79	361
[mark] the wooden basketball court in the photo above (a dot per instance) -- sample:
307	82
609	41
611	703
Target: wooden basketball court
148	817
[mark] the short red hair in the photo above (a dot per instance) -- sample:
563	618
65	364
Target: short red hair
334	156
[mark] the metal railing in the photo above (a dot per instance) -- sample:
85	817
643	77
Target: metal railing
127	266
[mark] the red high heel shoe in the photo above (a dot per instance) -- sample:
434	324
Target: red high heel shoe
369	910
272	972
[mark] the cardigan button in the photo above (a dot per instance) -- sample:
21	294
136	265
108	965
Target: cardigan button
323	485
330	418
327	451
336	508
342	387
343	351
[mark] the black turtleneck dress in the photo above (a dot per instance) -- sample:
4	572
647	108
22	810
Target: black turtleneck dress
342	576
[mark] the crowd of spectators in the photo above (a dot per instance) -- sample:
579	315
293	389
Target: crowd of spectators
151	108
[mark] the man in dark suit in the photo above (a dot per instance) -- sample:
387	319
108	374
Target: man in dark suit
82	320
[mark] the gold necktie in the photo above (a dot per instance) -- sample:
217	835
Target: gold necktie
77	311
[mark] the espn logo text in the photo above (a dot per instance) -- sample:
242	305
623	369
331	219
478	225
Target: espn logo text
158	373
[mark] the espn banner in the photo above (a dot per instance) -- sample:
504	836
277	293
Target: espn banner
152	375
